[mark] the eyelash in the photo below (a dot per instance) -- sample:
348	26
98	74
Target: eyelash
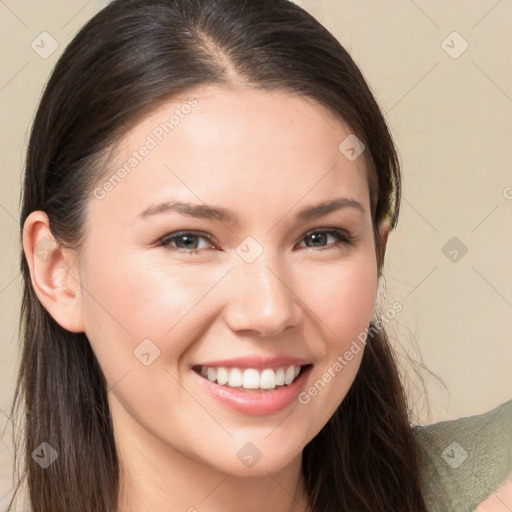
342	236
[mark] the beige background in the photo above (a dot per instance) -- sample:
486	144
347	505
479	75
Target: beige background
451	119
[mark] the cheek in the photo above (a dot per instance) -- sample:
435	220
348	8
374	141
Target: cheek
128	301
343	300
342	297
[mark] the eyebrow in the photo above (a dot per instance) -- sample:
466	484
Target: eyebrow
204	211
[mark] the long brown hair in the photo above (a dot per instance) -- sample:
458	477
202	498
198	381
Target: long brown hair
129	58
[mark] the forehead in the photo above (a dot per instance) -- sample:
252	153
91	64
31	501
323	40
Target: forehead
246	146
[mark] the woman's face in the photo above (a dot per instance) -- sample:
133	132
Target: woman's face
258	287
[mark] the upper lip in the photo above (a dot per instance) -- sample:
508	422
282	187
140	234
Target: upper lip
256	362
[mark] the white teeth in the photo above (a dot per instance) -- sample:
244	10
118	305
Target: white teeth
212	374
222	376
235	378
268	379
250	378
288	376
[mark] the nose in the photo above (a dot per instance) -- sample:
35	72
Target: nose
261	299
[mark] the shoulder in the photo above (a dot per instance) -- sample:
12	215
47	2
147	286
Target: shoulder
464	461
499	501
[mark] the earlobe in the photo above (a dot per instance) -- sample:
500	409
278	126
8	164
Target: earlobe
52	269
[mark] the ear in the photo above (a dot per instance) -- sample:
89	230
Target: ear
383	233
53	273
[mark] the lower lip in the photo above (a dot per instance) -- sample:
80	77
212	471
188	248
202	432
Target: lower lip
256	403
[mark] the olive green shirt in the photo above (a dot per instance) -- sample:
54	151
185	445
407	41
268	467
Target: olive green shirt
465	460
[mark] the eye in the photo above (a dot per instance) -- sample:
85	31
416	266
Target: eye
186	241
320	236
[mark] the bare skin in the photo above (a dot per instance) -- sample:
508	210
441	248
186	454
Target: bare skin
265	156
500	500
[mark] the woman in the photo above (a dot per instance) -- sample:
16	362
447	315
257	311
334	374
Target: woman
251	370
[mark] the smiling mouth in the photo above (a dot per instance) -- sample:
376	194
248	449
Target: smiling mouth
252	379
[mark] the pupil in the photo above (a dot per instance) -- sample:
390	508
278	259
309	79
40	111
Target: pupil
189	238
316	235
